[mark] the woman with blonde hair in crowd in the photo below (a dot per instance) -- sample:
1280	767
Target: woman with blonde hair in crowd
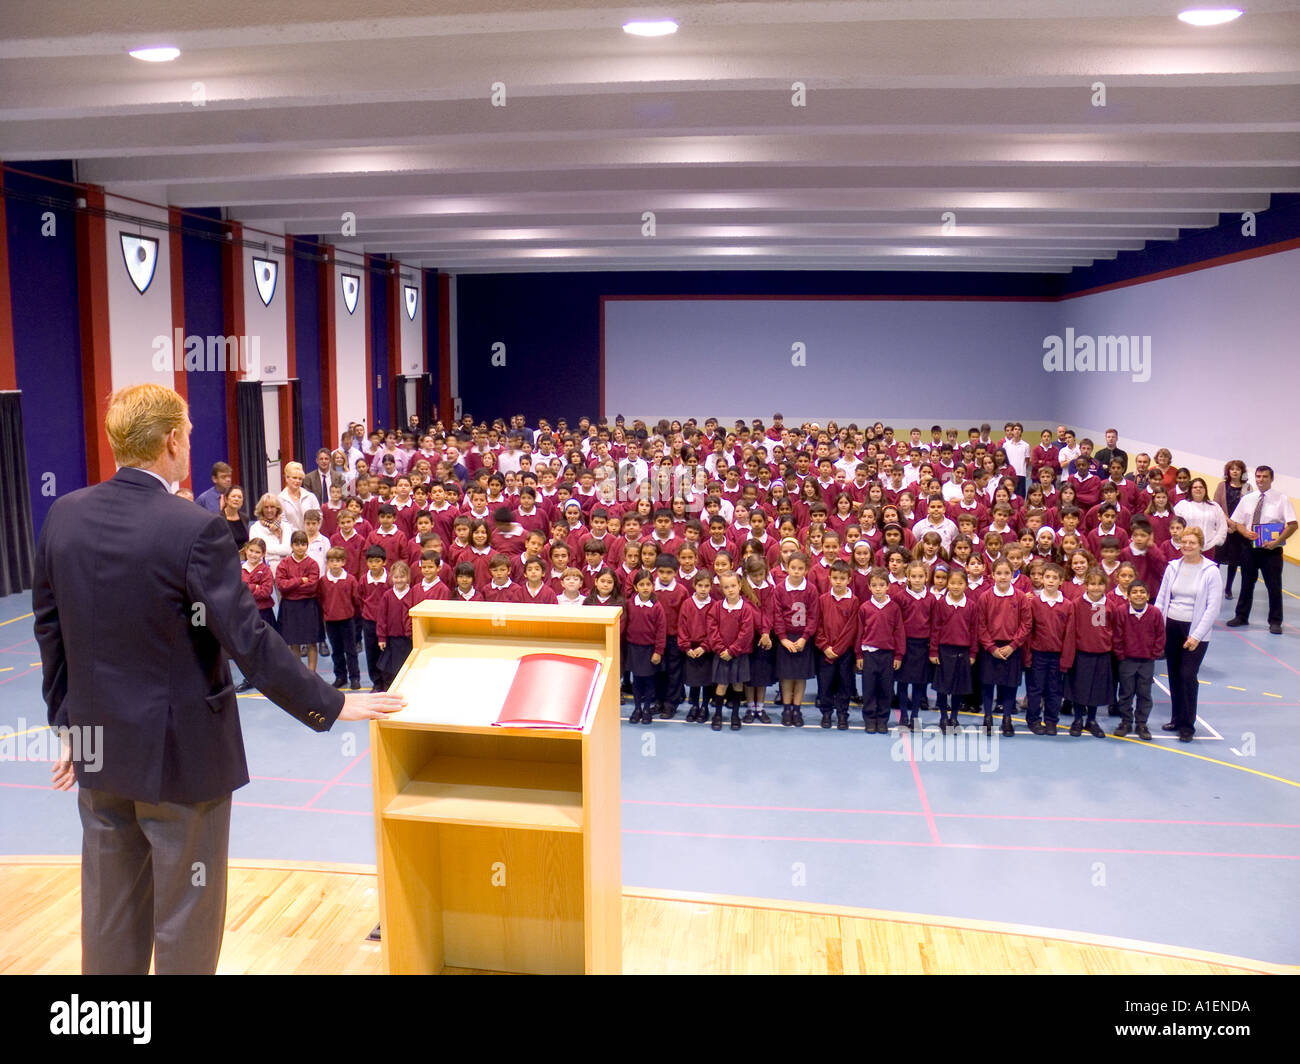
295	500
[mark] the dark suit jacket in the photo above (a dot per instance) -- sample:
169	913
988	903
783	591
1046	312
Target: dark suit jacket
138	598
319	486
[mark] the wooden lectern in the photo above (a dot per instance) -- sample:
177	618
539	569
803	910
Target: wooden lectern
499	848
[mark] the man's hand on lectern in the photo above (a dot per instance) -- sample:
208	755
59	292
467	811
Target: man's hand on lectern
370	706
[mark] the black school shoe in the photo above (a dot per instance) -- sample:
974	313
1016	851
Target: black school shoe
796	716
762	717
826	718
1144	732
716	723
1076	729
1121	731
1008	729
1051	729
1171	726
1038	728
787	717
1275	629
635	717
842	721
244	685
1095	730
1185	736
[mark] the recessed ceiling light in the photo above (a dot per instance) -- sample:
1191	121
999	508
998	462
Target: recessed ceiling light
651	29
1209	16
157	54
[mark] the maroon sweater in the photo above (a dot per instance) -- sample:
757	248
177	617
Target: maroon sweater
394	615
671	601
731	630
917	612
340	600
1047	632
881	627
394	545
1004	620
544	597
647	625
1150	566
837	623
693	624
261	582
954	625
289	578
1139	638
1091	628
439	592
355	548
372	595
508	593
795	612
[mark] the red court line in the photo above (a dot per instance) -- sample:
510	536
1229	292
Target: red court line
920	790
20	675
1265	652
964	816
304	809
960	845
30	786
294	779
350	766
23	643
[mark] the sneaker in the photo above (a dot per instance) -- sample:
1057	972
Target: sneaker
1144	733
1095	730
1121	731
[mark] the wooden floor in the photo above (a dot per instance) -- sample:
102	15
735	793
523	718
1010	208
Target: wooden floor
306	920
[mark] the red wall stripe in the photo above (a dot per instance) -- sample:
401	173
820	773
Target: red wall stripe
8	365
97	377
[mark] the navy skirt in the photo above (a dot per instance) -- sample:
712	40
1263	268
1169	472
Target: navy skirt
1091	683
762	665
396	650
916	662
999	673
268	615
638	659
734	671
953	676
800	666
301	622
697	672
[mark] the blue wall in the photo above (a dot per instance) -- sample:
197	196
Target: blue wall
205	316
43	291
307	345
377	286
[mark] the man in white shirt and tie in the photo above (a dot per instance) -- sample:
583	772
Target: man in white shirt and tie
1262	507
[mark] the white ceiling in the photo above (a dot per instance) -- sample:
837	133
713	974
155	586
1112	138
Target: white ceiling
982	108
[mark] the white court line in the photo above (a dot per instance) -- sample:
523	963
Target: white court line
1199	720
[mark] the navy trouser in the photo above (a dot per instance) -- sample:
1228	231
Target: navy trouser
668	680
1135	678
1044	685
834	682
343	643
877	683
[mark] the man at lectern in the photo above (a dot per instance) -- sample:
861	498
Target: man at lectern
138	599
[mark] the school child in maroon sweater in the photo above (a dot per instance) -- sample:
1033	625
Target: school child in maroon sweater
374	585
1139	639
259	579
1148	562
954	645
917	605
647	635
731	634
300	616
1004	625
794	623
881	647
500	588
352	542
535	588
1050	612
340	600
670	593
837	630
754	578
693	642
393	625
1086	652
388	536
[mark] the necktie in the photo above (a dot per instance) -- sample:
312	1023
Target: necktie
1259	509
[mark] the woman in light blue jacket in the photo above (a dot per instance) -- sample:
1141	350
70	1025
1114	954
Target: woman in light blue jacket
1189	600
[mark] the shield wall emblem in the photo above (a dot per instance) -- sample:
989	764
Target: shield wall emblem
412	299
140	253
266	272
351	290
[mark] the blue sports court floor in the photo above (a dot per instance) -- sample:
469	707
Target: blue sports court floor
1195	845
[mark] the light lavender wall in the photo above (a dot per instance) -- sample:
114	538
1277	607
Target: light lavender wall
890	360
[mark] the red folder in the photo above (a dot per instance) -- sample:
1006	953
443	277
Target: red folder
550	691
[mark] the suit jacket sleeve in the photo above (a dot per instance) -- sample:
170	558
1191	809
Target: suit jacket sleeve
212	578
49	637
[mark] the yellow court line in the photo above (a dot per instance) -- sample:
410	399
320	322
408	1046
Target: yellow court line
1231	688
1270	694
1204	683
1284	591
1202	757
7	668
12	619
29	731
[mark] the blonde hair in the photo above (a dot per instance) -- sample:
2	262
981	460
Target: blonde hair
293	467
138	420
265	500
1192	530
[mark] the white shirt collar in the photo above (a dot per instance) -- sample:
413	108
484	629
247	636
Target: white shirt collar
1042	595
879	605
740	605
1138	613
918	595
168	484
955	602
796	587
402	594
639	601
383	579
1003	594
335	579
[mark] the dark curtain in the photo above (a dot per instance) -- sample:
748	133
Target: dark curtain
252	441
300	452
424	394
17	544
399	393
